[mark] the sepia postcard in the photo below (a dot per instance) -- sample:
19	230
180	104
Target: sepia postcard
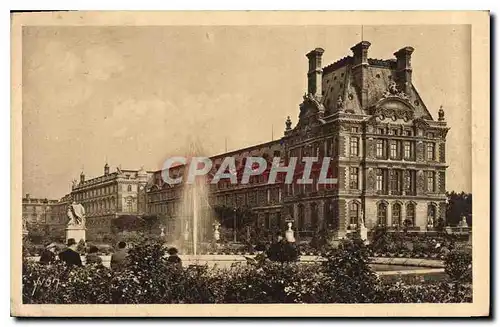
250	164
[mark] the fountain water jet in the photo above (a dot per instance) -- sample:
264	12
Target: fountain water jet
194	216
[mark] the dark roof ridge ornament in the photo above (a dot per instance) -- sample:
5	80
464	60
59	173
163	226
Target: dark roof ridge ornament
441	113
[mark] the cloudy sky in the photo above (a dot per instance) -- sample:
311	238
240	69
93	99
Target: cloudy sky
134	95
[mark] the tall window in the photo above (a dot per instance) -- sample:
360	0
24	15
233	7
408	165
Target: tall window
394	150
409	181
354	146
353	213
430	151
430	181
314	215
396	214
301	217
380	180
396	181
380	148
407	150
410	214
354	178
382	214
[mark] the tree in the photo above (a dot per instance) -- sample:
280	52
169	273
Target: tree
459	205
243	216
126	223
150	222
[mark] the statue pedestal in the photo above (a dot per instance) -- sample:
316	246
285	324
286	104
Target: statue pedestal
76	232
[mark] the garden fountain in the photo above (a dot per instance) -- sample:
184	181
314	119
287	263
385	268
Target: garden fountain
194	216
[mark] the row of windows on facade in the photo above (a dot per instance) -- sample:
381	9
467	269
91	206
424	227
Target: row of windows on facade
175	173
394	149
354	215
328	149
394	180
108	204
103	191
396	214
329	215
394	131
37	208
43	218
268	196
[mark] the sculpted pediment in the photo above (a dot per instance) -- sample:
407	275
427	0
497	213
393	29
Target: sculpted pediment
393	108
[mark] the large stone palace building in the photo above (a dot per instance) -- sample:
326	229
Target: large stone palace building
386	150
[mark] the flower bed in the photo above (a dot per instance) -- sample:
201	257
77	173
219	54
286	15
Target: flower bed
343	277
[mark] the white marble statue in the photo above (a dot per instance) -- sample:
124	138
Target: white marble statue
289	233
76	215
463	223
216	231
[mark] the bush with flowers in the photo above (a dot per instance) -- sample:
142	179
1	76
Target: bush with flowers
147	277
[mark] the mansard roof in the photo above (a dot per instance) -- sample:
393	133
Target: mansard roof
338	81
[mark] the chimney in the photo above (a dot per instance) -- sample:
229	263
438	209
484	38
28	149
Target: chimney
106	169
403	68
315	73
82	177
359	69
27	196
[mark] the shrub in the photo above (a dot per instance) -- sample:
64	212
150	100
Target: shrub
351	279
439	292
458	266
88	286
43	283
274	282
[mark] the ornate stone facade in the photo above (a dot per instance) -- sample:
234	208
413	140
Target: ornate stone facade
390	161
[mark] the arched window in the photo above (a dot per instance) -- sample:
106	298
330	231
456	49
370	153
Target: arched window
314	216
382	214
353	213
267	220
431	214
300	221
129	205
410	214
396	214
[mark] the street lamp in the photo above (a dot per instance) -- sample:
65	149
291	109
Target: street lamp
234	225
